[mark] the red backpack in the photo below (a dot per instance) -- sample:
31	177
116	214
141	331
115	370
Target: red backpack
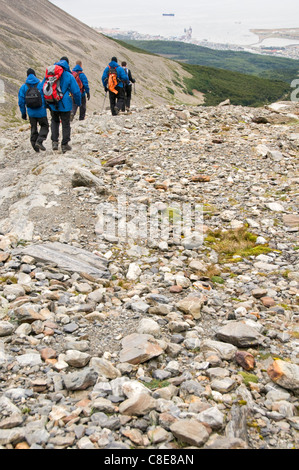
51	89
78	80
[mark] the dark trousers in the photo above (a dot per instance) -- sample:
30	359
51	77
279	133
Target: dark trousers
41	134
117	100
65	119
82	108
128	94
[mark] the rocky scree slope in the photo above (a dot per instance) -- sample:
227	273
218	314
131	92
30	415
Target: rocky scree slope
161	343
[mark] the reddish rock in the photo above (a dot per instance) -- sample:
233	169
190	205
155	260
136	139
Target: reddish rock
161	186
22	445
138	348
175	289
291	220
48	353
268	301
166	420
259	293
200	178
191	305
48	332
118	160
245	360
39	385
4	257
138	405
285	374
134	435
190	431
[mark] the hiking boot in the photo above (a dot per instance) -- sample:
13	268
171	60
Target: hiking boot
36	149
40	146
116	110
55	145
66	148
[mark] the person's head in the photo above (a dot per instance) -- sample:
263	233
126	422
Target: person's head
123	64
114	59
79	62
65	58
30	72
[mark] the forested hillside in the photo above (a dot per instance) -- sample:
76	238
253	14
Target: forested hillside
275	68
218	84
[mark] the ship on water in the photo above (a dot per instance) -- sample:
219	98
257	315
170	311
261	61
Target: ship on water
167	14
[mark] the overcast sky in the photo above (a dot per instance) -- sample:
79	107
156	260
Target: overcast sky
90	10
207	17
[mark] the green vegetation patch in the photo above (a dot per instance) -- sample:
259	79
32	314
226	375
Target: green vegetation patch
234	244
246	90
247	378
155	383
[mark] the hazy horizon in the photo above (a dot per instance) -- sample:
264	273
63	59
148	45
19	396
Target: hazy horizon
215	20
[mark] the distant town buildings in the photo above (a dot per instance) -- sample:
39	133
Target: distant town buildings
291	51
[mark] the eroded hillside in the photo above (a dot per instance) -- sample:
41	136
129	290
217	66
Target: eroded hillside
37	33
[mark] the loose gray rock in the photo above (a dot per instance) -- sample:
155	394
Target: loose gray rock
239	334
190	431
80	380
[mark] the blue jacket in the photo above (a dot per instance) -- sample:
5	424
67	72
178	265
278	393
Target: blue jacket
69	88
121	75
37	112
83	79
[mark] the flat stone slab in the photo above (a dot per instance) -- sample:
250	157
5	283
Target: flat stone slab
138	348
69	258
291	220
239	334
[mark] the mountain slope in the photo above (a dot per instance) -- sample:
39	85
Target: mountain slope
35	33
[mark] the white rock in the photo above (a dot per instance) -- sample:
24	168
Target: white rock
133	387
212	416
149	326
30	359
275	206
134	272
24	329
76	358
262	150
182	281
261	241
163	246
6	328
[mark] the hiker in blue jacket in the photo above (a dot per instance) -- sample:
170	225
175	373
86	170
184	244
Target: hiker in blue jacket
38	115
128	87
85	92
117	95
62	112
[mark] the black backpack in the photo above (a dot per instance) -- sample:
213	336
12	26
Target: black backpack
33	97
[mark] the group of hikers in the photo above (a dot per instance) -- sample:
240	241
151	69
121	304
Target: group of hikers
63	91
